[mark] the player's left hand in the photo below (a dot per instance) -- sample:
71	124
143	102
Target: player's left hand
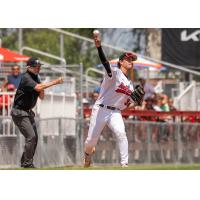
138	95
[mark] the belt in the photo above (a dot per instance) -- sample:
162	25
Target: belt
108	107
28	110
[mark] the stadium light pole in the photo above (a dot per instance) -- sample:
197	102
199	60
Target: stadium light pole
61	47
79	133
20	39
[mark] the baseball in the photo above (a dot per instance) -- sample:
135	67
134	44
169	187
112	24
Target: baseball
96	32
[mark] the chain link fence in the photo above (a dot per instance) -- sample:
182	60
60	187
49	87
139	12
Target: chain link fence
62	143
56	143
153	142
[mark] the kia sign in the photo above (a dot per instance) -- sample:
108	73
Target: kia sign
194	36
181	47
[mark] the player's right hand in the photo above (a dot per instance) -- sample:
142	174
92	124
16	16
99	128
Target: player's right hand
97	40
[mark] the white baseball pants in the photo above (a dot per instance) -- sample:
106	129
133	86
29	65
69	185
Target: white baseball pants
113	118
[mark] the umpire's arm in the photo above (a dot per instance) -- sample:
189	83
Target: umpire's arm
41	86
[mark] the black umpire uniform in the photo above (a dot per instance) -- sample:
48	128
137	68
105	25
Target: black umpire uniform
22	114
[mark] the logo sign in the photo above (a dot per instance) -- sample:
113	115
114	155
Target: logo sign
181	46
194	36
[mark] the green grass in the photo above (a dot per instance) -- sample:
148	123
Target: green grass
131	167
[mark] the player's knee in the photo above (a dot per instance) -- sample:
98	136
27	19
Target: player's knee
32	139
121	135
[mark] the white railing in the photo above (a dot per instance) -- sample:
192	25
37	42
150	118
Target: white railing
68	87
6	101
7	127
43	53
187	100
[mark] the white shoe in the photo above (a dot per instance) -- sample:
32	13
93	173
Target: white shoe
124	165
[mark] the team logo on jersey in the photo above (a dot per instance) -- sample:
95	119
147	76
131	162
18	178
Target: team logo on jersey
121	88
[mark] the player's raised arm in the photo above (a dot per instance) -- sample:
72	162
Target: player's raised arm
104	61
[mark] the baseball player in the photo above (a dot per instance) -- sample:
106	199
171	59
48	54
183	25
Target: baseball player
116	94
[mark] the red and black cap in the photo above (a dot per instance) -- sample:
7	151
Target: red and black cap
33	62
128	56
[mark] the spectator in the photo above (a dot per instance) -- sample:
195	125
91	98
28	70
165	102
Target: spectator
14	78
11	88
149	104
171	106
157	103
148	88
95	96
164	99
97	89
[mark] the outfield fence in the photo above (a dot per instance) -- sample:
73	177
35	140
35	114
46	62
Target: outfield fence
153	142
61	143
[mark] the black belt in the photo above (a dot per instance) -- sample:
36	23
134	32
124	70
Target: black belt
108	107
27	110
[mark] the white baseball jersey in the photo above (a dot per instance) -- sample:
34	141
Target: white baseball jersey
108	94
115	92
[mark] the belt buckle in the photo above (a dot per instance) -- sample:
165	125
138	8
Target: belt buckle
107	107
110	107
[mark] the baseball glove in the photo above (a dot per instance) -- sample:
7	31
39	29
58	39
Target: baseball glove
137	95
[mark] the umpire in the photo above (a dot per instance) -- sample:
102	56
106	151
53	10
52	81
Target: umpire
30	88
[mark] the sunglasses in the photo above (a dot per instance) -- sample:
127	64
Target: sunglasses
15	69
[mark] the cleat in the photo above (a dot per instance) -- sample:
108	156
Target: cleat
87	160
124	165
28	166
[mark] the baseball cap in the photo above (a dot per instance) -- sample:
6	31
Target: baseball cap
33	62
10	87
128	55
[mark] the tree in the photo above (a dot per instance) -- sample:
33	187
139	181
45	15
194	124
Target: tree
75	50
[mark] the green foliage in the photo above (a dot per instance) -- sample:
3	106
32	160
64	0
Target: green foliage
44	40
9	38
75	50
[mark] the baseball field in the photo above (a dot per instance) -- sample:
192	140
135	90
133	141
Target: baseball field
131	167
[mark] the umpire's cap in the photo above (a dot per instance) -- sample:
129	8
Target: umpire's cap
33	62
127	56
